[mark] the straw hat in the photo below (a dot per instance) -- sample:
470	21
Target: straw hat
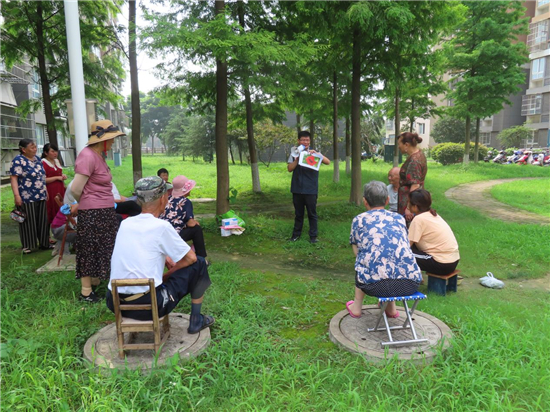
102	131
182	186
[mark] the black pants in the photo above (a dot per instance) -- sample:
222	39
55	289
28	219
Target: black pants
310	203
36	228
195	234
192	280
129	208
429	264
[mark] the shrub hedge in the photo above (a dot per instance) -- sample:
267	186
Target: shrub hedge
449	153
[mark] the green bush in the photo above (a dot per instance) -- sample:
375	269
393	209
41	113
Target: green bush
449	153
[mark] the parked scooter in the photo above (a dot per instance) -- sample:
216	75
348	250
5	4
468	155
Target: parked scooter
546	159
488	157
524	159
514	157
501	157
537	159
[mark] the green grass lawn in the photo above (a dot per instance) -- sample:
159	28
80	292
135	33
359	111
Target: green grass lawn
270	348
531	195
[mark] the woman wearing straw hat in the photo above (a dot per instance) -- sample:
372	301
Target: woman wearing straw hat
179	212
97	222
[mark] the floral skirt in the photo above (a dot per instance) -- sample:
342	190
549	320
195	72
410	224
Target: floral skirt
95	240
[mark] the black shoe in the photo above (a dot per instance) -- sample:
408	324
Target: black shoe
313	240
207	321
92	298
294	238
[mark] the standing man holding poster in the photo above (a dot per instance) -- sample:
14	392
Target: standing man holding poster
304	163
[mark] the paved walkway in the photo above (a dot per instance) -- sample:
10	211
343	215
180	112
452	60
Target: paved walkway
477	195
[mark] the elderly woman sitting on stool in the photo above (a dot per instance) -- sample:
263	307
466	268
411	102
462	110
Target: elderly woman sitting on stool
179	212
385	265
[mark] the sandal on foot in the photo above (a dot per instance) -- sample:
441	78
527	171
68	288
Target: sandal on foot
207	321
349	310
26	251
393	316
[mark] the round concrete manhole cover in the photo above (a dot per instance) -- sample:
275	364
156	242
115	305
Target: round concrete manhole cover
352	335
102	348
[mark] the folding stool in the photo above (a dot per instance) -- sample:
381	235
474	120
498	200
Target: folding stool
383	303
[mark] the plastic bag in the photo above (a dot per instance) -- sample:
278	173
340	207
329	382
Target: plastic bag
490	281
229	214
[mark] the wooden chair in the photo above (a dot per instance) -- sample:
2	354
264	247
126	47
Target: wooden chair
124	325
68	229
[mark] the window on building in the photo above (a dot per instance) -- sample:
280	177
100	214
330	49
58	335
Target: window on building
531	104
537	68
390	140
390	124
542	2
36	86
40	140
530	141
485	138
421	128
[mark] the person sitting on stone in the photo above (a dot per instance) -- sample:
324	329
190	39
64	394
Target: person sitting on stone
384	265
179	212
432	240
393	188
143	246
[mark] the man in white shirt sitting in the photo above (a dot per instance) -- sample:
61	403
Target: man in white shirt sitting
144	245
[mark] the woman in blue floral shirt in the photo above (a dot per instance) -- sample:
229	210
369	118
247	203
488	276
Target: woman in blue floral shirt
28	183
385	265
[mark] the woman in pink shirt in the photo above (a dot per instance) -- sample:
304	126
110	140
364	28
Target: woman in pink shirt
97	222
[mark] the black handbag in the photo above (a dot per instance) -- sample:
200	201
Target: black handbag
18	215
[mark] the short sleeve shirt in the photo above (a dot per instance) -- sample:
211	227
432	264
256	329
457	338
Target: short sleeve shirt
305	181
393	198
97	192
31	178
178	211
435	237
141	246
384	250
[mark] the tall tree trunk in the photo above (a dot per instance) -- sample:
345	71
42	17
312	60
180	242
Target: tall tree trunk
256	187
336	158
298	123
222	165
240	154
312	128
356	192
466	158
231	153
348	146
44	81
153	145
411	118
397	129
134	94
476	149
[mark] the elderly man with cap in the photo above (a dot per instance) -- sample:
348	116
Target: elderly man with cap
144	245
179	212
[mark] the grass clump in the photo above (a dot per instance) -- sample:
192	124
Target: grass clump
530	195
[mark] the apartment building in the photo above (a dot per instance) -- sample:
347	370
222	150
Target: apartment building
420	126
536	102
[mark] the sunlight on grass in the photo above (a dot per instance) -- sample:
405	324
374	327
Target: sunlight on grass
530	195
